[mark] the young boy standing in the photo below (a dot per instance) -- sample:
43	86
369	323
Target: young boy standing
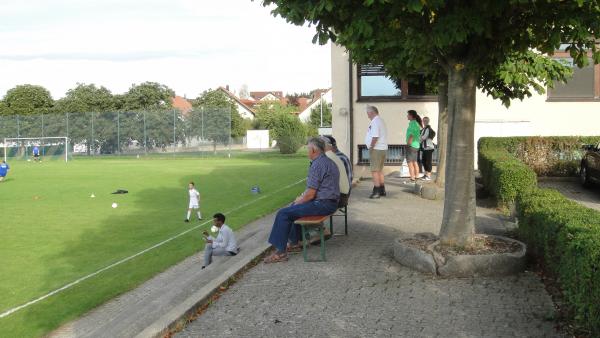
194	202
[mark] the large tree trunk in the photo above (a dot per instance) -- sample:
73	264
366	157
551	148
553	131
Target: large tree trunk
458	223
442	132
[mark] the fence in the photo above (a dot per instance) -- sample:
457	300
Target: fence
206	130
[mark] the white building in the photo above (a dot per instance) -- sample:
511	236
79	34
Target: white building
571	109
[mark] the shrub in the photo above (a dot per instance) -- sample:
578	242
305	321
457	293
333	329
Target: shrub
547	156
289	132
567	236
504	176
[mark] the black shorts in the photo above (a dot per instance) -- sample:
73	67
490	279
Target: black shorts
36	155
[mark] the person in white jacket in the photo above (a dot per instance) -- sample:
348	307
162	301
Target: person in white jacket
427	146
223	245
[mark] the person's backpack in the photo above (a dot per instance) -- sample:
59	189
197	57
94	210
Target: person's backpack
431	133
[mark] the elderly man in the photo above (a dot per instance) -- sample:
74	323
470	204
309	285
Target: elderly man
320	198
343	157
344	183
376	141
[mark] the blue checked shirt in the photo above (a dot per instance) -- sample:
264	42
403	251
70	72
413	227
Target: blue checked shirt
323	176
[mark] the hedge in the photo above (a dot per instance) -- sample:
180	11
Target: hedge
567	236
563	233
504	176
547	156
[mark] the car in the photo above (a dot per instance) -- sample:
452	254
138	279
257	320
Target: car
589	170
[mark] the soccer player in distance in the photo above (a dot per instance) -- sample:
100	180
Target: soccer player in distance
194	202
36	153
4	168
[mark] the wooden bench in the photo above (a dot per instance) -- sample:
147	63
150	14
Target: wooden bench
312	222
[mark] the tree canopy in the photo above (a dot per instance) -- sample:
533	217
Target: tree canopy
27	100
498	46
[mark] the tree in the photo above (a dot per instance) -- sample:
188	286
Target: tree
218	113
475	44
146	96
27	100
244	93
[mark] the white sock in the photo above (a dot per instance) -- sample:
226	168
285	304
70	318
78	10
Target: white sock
199	214
188	215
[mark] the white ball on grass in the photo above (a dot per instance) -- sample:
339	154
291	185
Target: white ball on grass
214	229
114	205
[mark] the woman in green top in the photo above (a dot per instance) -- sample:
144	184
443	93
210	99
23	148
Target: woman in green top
413	143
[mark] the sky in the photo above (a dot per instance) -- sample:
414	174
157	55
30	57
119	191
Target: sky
188	45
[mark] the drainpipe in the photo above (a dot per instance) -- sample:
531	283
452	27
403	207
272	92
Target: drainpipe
351	108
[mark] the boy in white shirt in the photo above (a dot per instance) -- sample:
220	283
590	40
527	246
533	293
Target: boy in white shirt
223	245
194	202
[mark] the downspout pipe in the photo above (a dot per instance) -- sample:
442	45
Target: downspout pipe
351	107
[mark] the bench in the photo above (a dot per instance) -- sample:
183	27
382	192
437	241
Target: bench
312	222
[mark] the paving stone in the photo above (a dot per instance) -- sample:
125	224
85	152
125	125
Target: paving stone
362	292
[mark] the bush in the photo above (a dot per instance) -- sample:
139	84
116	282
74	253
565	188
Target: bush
289	132
567	236
504	176
547	156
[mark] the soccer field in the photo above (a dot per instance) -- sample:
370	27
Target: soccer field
53	233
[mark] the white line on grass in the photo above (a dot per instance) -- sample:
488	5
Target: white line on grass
77	281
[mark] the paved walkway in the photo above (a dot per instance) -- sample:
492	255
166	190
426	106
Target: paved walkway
572	189
362	292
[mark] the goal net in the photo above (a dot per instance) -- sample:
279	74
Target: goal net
22	148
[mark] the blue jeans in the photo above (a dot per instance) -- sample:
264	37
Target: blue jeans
284	228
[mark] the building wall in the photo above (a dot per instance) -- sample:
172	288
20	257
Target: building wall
532	117
244	113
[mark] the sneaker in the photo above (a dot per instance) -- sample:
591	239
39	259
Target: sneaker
425	178
186	220
375	194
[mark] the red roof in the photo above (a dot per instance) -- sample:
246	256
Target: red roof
259	95
182	104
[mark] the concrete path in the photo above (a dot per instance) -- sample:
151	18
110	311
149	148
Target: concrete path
151	308
572	189
362	292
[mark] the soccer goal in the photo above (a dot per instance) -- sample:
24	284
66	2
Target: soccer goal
48	147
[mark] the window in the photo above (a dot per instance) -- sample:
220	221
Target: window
582	86
375	85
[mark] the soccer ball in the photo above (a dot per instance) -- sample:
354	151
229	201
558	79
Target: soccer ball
114	205
214	229
28	160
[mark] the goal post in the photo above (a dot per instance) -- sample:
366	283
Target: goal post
58	142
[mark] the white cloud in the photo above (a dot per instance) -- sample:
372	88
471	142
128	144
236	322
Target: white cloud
190	45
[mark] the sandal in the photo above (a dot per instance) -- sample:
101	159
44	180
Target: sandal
276	258
294	248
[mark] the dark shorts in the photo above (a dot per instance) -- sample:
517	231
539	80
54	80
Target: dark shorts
36	155
411	154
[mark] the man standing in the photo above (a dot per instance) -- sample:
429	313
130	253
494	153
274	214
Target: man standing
320	198
4	168
223	245
376	141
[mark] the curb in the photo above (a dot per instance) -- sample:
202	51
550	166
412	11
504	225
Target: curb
179	315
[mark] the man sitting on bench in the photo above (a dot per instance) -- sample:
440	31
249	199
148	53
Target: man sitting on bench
320	198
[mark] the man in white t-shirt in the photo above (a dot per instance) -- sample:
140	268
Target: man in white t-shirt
223	245
194	202
376	141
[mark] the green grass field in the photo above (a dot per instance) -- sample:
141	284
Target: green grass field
52	232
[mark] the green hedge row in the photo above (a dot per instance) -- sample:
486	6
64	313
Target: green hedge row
567	236
547	156
504	176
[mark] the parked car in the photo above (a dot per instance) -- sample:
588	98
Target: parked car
589	171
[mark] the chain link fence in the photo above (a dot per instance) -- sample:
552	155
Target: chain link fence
205	130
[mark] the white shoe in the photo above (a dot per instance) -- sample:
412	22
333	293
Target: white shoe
426	178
